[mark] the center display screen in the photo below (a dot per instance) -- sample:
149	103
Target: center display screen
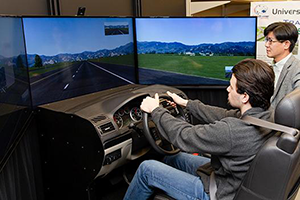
193	51
69	56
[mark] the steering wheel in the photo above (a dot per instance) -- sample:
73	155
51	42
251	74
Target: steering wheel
160	144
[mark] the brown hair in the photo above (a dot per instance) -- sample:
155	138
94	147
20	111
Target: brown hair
283	31
256	78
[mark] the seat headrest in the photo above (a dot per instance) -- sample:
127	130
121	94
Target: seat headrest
287	111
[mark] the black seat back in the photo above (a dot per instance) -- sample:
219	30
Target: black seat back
275	171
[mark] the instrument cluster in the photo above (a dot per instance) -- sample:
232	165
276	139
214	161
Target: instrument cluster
127	114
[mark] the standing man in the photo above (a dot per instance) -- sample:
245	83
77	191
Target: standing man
280	40
230	141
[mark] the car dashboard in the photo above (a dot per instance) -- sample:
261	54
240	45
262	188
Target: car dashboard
104	128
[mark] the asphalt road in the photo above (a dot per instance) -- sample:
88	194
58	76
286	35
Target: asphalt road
78	79
88	77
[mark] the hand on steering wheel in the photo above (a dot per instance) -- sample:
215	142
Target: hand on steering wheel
149	104
177	99
152	134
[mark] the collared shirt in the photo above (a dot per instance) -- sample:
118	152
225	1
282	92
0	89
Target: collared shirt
277	67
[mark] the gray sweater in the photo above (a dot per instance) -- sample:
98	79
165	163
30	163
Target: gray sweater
224	135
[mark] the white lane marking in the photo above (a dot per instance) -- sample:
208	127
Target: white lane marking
66	86
52	75
112	73
73	76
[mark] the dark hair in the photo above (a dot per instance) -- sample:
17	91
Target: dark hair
256	78
283	31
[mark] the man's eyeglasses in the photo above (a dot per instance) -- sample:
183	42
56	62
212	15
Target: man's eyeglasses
270	40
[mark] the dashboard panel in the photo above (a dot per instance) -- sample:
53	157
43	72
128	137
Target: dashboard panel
104	128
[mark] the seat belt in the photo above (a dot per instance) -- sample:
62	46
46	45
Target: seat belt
269	125
212	186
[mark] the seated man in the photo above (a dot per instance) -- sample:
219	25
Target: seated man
230	140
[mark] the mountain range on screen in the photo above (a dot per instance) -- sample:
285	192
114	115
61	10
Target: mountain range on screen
221	49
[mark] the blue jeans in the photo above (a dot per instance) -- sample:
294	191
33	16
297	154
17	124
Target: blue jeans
178	178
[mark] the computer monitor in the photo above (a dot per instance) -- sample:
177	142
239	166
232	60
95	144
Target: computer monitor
193	51
73	56
15	101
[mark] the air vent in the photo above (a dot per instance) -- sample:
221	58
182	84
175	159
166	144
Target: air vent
106	127
98	118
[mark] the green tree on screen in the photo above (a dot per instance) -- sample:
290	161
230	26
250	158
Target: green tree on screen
38	61
20	63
